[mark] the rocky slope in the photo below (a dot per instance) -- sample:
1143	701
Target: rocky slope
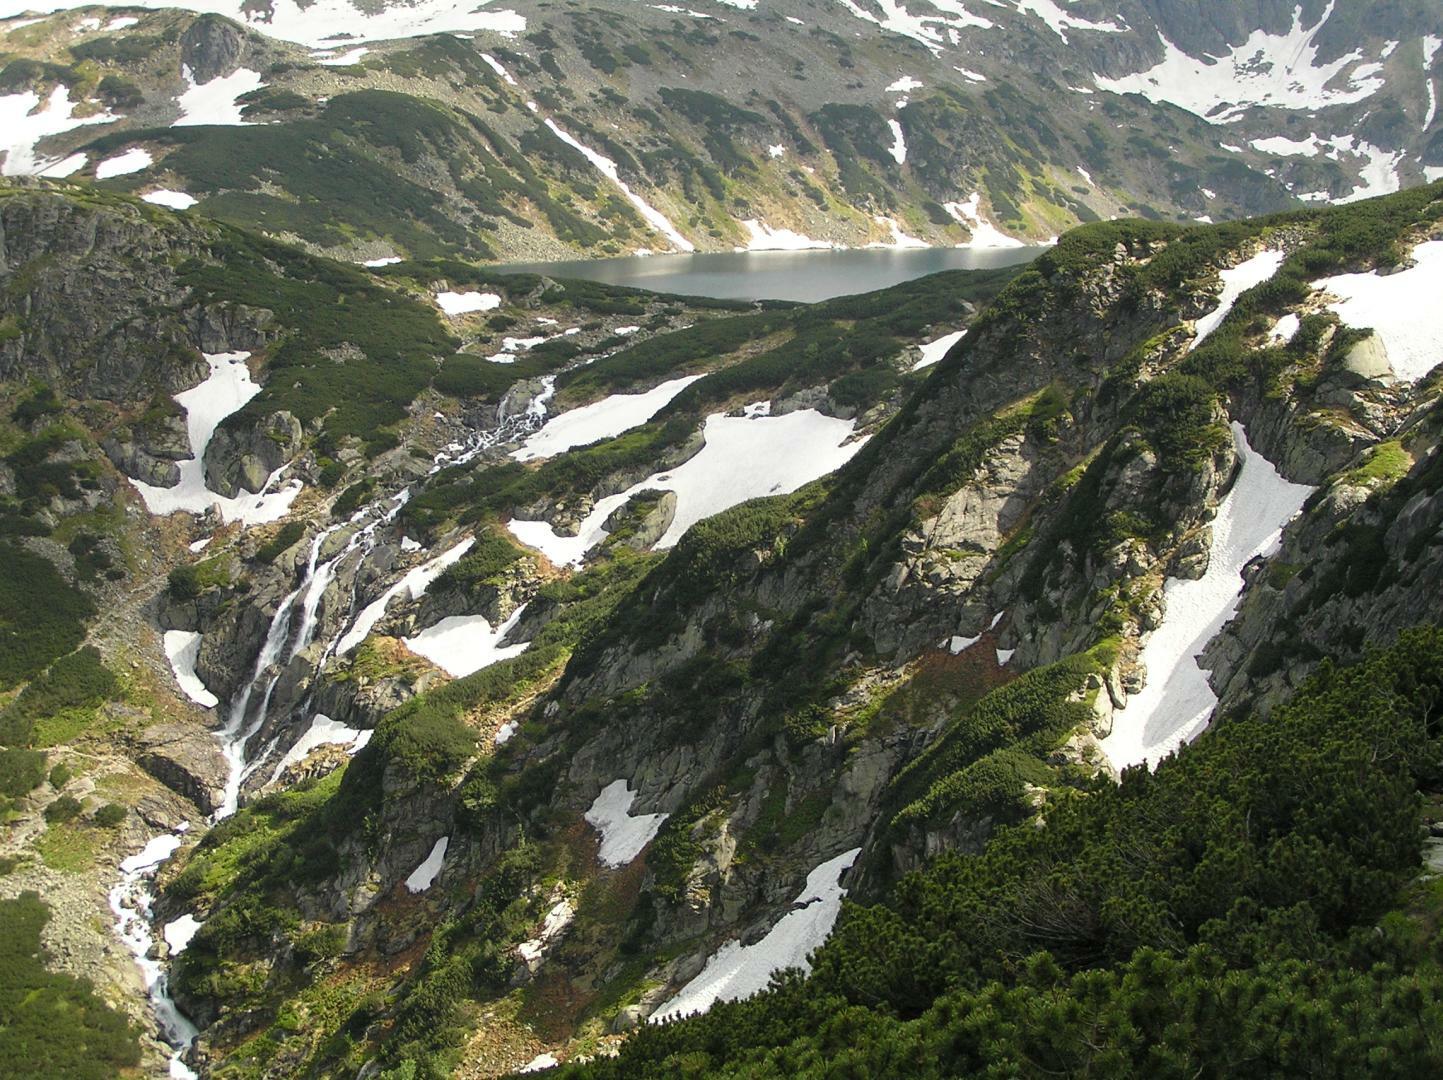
422	130
950	635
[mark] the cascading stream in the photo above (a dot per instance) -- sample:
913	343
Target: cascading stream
133	897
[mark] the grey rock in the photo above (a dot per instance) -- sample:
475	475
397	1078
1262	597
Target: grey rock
187	760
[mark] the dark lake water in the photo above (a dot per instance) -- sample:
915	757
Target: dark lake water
776	275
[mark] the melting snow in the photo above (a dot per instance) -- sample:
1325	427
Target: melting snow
604	165
176	200
905	85
737	971
1279	70
543	1061
762	237
602	419
24	121
1403	308
228	387
1175	704
323	731
776	150
461	303
414	583
1060	21
899	238
622	834
1236	281
133	160
182	647
495	65
462	644
215	102
933	351
425	875
745	457
345	59
389	260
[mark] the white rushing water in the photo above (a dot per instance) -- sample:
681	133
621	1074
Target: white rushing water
1175	705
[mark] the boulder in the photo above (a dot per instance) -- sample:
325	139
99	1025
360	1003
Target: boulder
187	760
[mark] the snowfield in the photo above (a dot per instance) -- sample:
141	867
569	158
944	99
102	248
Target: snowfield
24	121
1279	70
228	387
462	644
1405	309
1236	281
745	457
623	835
602	419
182	647
1174	706
737	971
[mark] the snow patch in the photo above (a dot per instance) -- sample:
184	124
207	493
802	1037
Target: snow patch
182	648
413	583
228	387
762	237
462	644
602	419
737	971
175	200
323	731
623	834
1402	308
25	120
1286	328
216	102
933	351
1174	706
133	160
1276	70
744	457
345	59
905	85
425	875
984	233
496	66
898	149
462	303
178	932
1236	281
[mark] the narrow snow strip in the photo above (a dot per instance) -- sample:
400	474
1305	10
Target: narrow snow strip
462	644
622	834
323	731
1174	706
133	160
345	59
155	852
602	419
175	200
1236	281
461	303
496	66
898	149
228	387
737	971
762	237
425	875
414	583
388	260
1405	309
1278	70
182	647
178	932
604	165
933	351
744	457
25	120
1060	21
215	102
